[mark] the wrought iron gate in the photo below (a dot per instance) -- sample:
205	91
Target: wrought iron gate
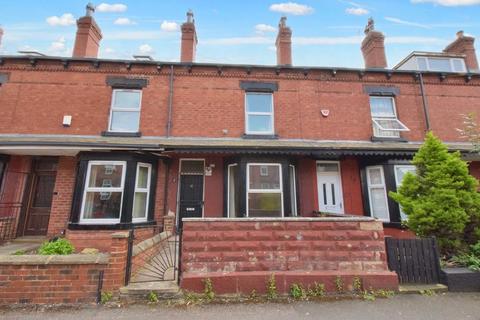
158	263
414	260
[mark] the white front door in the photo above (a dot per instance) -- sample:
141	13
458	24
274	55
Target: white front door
330	197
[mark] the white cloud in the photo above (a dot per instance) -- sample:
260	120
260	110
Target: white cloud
407	23
146	49
123	22
58	47
169	26
106	7
65	19
449	3
293	8
262	28
357	11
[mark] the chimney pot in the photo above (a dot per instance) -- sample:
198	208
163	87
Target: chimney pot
87	40
373	47
464	45
284	43
189	39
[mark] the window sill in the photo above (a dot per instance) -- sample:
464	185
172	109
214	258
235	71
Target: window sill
121	134
394	225
385	139
115	226
260	136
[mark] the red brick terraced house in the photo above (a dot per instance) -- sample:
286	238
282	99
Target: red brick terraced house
92	146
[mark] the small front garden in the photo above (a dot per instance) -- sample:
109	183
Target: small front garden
55	246
441	200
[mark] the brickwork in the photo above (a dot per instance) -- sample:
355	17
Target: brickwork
49	283
312	248
63	194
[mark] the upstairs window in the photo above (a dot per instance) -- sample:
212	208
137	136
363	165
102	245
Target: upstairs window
384	118
125	110
259	113
441	64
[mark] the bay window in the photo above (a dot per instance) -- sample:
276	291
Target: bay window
103	194
142	191
377	193
264	190
400	171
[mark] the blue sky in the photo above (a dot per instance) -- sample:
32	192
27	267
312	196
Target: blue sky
325	32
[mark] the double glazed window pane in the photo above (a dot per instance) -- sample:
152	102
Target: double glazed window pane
259	123
379	203
102	205
259	102
266	177
125	121
439	64
382	107
259	112
125	115
105	176
140	205
126	99
264	205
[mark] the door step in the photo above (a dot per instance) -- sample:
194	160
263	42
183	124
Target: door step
141	290
422	288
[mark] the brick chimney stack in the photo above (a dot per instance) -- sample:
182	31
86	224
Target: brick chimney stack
189	39
88	36
284	43
373	47
464	45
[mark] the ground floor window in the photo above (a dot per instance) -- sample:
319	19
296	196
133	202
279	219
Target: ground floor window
400	171
113	189
377	193
264	190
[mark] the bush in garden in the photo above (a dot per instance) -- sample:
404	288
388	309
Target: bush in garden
441	199
57	246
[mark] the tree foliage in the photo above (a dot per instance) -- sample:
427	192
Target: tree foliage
441	199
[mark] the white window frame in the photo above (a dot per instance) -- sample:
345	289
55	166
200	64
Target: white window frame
398	183
142	190
102	189
276	191
450	60
376	186
294	200
229	168
386	117
113	109
248	113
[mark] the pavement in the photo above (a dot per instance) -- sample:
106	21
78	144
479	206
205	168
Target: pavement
456	306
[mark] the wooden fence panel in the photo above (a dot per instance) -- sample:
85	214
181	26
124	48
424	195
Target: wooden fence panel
414	260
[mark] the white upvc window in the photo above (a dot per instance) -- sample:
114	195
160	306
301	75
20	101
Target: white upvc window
232	190
142	192
103	192
400	171
264	193
441	64
377	193
125	110
384	118
293	190
259	118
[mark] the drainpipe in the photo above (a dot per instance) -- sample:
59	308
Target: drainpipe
424	100
170	103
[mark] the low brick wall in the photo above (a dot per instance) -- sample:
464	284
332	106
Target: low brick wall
240	254
36	279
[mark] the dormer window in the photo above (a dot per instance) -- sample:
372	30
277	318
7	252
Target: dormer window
384	118
441	64
125	110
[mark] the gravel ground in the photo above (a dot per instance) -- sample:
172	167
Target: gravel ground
443	306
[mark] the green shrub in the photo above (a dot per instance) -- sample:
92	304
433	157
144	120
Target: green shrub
441	199
152	297
19	252
297	291
469	260
272	288
317	290
105	297
357	285
339	284
475	249
208	292
56	247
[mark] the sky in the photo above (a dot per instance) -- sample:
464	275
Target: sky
325	32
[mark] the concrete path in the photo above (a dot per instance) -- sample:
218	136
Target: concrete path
24	244
411	306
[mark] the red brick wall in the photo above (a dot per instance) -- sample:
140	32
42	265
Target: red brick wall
316	249
63	194
49	283
205	103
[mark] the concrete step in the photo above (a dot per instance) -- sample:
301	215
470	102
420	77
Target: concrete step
140	290
422	288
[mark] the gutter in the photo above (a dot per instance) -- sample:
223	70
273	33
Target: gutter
170	103
425	103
